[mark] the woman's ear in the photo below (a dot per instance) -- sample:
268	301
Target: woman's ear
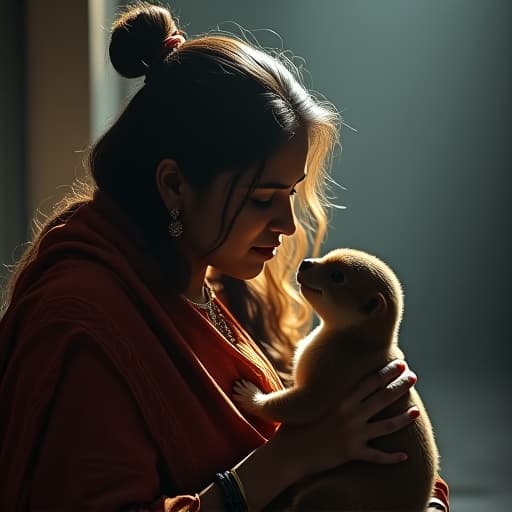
169	182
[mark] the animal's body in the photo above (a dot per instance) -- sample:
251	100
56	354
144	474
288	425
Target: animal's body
359	301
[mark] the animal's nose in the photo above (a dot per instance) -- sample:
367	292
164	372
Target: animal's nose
305	265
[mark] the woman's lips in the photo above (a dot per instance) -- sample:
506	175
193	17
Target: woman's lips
266	252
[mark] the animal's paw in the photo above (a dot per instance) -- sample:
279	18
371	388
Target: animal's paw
247	395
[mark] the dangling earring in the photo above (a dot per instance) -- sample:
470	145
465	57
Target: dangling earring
175	226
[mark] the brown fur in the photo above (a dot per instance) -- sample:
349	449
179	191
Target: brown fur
360	316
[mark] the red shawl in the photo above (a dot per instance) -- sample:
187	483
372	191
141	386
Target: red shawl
86	304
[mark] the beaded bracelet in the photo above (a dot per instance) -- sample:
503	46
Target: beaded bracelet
234	474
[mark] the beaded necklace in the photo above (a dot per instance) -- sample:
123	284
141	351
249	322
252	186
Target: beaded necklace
214	314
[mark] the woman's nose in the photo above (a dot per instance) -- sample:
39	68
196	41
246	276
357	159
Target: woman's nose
284	223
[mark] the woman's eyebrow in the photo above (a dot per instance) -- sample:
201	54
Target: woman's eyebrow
276	185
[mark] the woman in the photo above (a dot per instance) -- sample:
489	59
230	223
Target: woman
117	361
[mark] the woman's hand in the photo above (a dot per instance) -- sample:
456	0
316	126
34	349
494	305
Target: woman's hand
310	448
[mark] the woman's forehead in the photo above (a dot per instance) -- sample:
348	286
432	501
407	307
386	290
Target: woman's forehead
283	169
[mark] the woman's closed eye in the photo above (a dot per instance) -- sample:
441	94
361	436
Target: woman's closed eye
265	203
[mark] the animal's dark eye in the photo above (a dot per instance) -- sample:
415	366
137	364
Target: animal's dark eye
338	276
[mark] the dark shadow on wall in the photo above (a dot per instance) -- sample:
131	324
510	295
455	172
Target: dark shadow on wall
13	160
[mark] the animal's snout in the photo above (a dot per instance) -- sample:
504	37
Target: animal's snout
305	265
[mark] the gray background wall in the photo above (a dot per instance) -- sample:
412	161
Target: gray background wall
427	86
13	208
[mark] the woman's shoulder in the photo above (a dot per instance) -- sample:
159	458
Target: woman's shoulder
70	296
75	280
77	303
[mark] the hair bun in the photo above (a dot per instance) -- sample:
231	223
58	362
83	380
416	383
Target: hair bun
137	38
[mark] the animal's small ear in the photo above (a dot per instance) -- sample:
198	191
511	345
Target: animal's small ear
376	304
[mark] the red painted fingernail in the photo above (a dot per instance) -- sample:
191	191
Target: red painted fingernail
414	414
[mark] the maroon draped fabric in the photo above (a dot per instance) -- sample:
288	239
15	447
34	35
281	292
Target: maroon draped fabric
112	393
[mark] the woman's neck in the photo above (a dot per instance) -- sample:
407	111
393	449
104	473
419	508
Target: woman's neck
195	289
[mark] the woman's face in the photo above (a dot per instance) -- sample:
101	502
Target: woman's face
264	218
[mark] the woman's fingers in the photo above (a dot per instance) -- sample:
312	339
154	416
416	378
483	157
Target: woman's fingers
379	457
389	425
369	385
353	422
388	395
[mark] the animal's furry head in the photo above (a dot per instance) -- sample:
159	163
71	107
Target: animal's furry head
349	287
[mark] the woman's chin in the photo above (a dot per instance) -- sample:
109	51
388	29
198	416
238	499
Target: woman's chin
244	274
